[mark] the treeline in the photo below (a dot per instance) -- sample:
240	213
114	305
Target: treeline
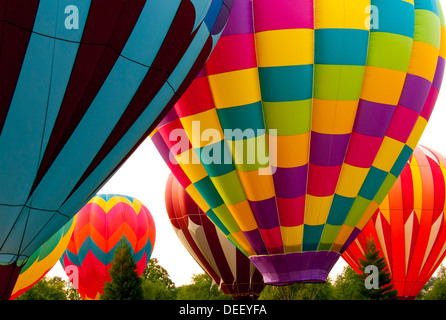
157	285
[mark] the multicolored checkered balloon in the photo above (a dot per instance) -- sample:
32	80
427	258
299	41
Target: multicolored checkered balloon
302	120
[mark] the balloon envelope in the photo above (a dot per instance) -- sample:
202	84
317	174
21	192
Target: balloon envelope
409	225
100	226
43	259
220	259
82	85
301	121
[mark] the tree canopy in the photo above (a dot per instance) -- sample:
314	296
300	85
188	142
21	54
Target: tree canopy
157	285
125	283
377	281
202	288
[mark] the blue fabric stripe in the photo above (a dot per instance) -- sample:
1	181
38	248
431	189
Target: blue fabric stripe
50	19
402	23
430	5
189	58
45	73
150	30
341	46
312	237
115	94
288	83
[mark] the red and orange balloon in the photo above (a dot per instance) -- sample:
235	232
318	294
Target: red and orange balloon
409	225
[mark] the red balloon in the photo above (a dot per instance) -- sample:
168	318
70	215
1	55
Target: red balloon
409	225
218	257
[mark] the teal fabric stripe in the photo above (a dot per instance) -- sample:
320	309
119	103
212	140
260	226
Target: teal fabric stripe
402	23
372	183
47	66
216	158
430	5
286	83
213	217
341	46
206	188
51	16
115	94
247	118
339	210
157	17
401	161
312	236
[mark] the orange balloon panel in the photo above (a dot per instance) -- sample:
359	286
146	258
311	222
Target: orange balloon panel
409	225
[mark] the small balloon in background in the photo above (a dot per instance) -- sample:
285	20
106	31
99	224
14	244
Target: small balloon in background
100	225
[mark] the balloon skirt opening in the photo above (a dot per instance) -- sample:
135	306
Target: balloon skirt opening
297	267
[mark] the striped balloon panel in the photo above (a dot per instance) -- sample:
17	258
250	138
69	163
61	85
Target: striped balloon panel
82	86
409	225
100	225
43	259
219	258
339	90
358	247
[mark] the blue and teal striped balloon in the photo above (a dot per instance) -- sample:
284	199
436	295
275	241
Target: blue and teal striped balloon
82	84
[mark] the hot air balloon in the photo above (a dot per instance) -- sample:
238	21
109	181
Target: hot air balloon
43	259
301	121
100	225
83	84
409	225
219	258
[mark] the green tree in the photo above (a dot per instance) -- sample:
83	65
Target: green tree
385	287
348	285
125	283
46	289
202	288
72	293
157	284
437	290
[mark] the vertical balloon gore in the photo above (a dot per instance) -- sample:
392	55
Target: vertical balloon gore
301	121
